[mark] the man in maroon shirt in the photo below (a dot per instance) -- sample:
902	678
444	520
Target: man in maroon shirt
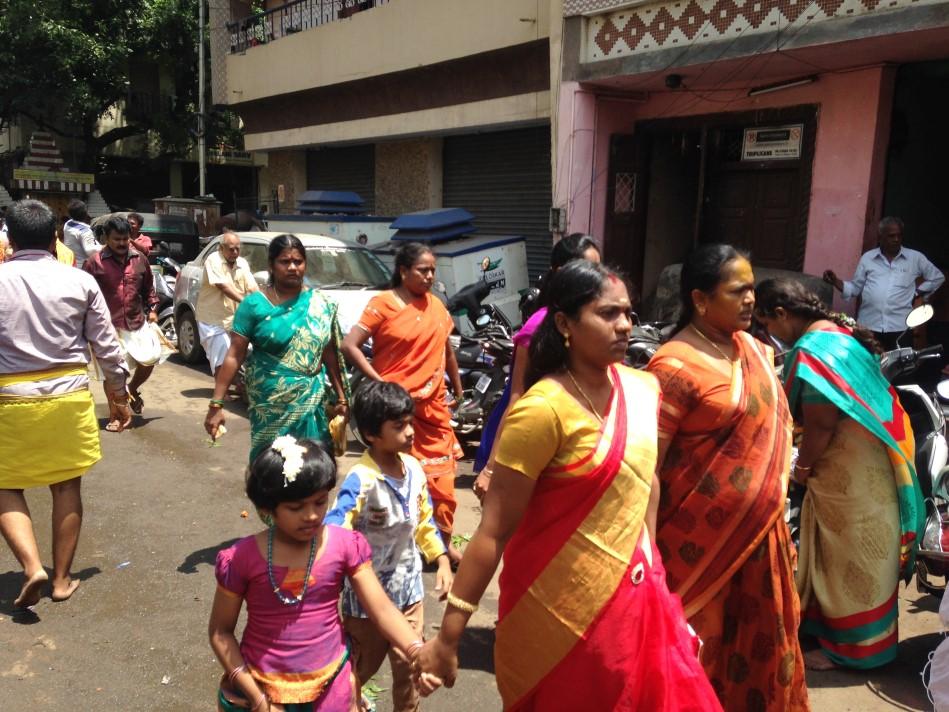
126	281
141	241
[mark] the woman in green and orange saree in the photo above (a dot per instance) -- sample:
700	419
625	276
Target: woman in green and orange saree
863	513
585	618
295	334
725	447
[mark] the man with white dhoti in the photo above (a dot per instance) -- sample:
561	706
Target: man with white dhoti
226	281
127	283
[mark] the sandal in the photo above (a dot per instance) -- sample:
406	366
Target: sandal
113	426
136	403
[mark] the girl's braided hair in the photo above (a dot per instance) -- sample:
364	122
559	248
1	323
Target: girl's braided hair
794	297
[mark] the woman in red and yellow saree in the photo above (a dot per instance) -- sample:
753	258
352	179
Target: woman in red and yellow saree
409	330
725	445
863	512
585	618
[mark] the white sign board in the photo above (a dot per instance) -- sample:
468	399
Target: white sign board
772	143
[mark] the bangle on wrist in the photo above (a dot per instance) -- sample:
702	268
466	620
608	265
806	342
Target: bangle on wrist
803	469
260	700
216	403
461	604
232	675
413	646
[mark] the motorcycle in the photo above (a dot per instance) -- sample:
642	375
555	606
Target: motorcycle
484	357
645	340
165	291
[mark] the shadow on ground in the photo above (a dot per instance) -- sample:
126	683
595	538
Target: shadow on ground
208	555
889	683
476	649
12	581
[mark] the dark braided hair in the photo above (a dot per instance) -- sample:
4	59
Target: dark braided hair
572	287
795	298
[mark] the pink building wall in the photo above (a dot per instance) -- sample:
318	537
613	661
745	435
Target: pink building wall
849	161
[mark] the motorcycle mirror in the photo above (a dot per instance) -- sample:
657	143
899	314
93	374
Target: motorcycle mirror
919	316
483	320
943	390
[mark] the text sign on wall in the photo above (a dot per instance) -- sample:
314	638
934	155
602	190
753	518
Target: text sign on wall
772	143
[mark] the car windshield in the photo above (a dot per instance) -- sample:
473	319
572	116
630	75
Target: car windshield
344	268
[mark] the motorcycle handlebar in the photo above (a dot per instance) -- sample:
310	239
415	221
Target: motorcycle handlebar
930	351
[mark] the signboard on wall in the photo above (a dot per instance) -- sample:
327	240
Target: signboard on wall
772	143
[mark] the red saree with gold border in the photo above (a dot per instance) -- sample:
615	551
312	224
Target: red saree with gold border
586	620
721	529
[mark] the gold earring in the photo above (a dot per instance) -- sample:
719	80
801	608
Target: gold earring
701	311
566	340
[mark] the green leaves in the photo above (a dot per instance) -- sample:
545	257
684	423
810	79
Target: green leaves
67	62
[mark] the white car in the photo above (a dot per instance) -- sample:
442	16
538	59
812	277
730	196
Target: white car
345	271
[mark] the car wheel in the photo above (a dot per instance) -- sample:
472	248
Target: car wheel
167	326
189	345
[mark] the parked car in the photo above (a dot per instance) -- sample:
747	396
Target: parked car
345	271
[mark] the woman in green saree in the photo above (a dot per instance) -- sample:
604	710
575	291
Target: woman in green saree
295	334
862	516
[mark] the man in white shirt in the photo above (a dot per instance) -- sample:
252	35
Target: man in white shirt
226	281
888	281
77	235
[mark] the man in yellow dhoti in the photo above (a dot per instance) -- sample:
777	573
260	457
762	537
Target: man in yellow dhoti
49	435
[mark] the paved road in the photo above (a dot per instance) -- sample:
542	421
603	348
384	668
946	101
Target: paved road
157	509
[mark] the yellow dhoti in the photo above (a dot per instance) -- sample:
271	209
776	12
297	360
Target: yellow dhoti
46	439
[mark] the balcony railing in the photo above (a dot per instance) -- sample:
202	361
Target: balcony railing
290	18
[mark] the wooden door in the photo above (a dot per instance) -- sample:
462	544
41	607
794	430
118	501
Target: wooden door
757	210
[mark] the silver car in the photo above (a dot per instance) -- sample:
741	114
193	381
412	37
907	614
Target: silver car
345	271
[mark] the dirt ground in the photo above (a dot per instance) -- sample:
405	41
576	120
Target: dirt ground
158	508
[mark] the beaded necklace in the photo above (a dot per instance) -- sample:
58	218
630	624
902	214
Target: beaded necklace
287	600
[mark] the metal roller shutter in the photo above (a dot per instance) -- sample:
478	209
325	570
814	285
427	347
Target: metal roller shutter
344	168
503	179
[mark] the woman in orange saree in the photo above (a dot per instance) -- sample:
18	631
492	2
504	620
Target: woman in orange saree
725	445
586	621
409	330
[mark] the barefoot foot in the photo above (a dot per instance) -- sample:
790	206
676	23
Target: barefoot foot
62	592
32	587
816	660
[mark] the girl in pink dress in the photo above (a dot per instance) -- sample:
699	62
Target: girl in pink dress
294	655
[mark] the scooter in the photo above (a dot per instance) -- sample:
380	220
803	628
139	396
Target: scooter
928	419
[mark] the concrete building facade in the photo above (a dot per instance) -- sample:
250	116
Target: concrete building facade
413	104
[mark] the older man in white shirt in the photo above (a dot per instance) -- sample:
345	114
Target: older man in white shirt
888	279
226	281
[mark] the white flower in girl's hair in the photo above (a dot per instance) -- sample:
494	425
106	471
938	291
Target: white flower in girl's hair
292	454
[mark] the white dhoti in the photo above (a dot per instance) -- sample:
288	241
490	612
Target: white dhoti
141	347
215	341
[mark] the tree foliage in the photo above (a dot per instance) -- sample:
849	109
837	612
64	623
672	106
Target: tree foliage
66	63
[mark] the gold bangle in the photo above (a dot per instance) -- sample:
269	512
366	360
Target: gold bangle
460	604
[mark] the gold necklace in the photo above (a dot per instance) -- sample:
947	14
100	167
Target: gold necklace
711	343
585	396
